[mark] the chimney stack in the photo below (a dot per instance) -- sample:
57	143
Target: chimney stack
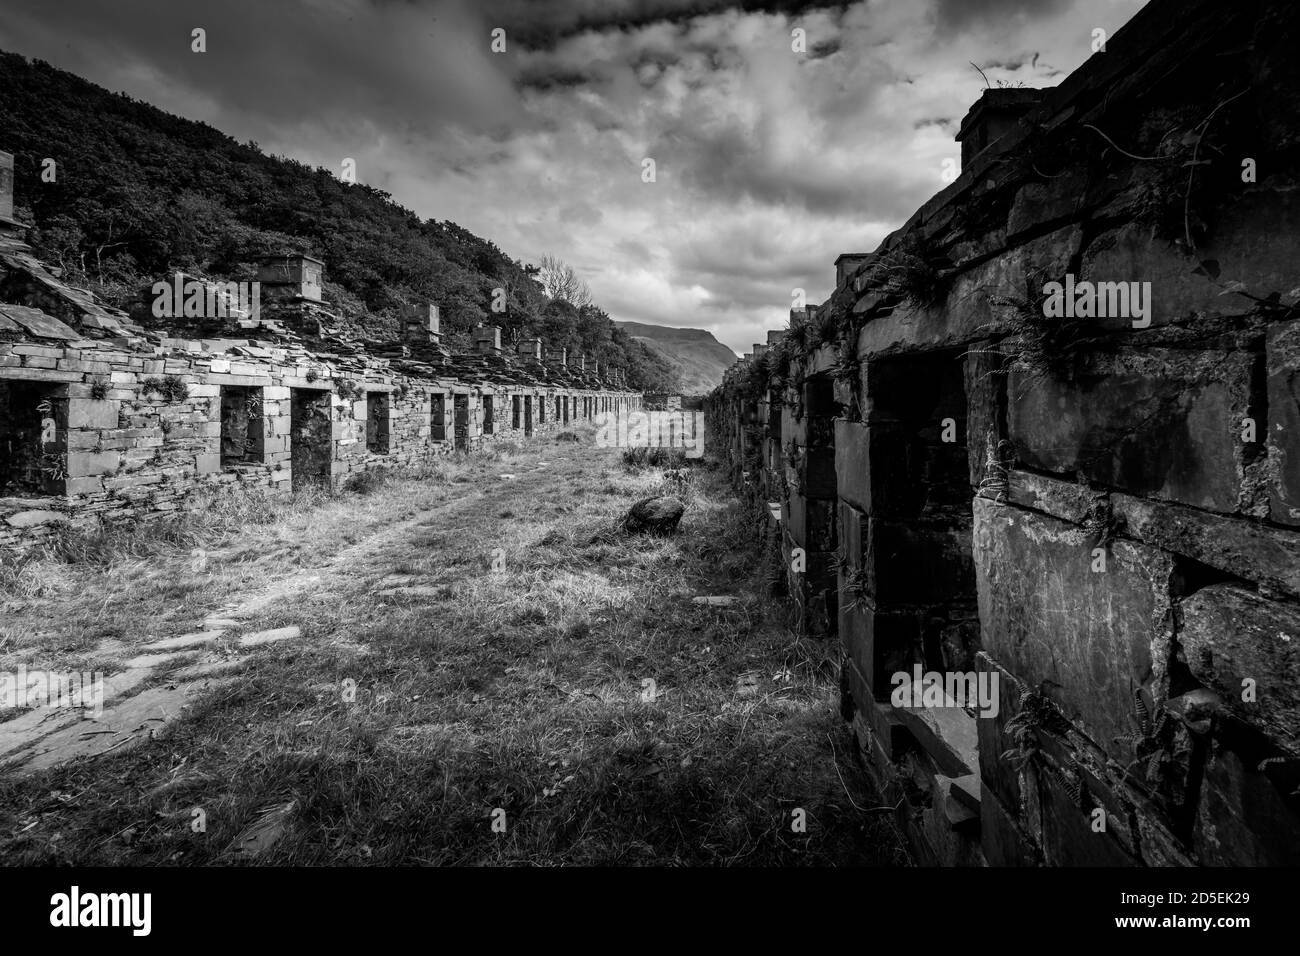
995	114
529	349
421	323
487	339
774	336
7	186
291	278
558	357
846	264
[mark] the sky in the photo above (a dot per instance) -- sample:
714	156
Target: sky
768	161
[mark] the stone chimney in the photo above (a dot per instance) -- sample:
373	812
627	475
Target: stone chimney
529	349
290	278
421	323
774	336
558	357
487	339
995	113
846	263
7	186
8	224
759	349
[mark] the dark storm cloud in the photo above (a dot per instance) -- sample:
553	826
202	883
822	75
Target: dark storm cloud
544	80
819	51
542	26
282	61
732	164
954	16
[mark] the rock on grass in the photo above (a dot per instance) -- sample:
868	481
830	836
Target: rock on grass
654	516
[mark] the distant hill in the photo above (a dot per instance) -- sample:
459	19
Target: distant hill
141	193
697	356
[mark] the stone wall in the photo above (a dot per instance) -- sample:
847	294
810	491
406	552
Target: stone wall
1100	511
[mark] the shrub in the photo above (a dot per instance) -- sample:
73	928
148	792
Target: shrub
365	482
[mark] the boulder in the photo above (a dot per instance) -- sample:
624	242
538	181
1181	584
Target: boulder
654	516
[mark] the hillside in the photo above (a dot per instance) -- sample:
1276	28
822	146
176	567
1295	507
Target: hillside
696	356
140	193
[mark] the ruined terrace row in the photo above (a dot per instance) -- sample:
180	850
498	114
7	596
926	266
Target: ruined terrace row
1096	501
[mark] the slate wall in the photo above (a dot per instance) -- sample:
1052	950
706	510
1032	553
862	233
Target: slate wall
128	452
1102	512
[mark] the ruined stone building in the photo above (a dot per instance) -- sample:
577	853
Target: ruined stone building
107	415
1049	431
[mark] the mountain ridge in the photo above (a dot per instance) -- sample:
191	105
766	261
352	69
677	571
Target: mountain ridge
698	358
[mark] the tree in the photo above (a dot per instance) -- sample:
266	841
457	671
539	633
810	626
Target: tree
561	283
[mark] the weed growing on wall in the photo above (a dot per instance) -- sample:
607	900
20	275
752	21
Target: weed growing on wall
1038	345
171	387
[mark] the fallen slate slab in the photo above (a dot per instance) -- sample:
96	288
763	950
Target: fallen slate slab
26	729
220	623
270	637
966	791
123	682
123	726
157	660
184	640
398	580
207	669
264	832
419	591
29	519
716	600
39	324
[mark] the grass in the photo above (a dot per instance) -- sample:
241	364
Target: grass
639	458
544	668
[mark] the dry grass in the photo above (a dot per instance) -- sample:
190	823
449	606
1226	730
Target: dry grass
544	668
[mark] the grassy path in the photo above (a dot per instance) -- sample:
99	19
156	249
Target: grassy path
486	674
